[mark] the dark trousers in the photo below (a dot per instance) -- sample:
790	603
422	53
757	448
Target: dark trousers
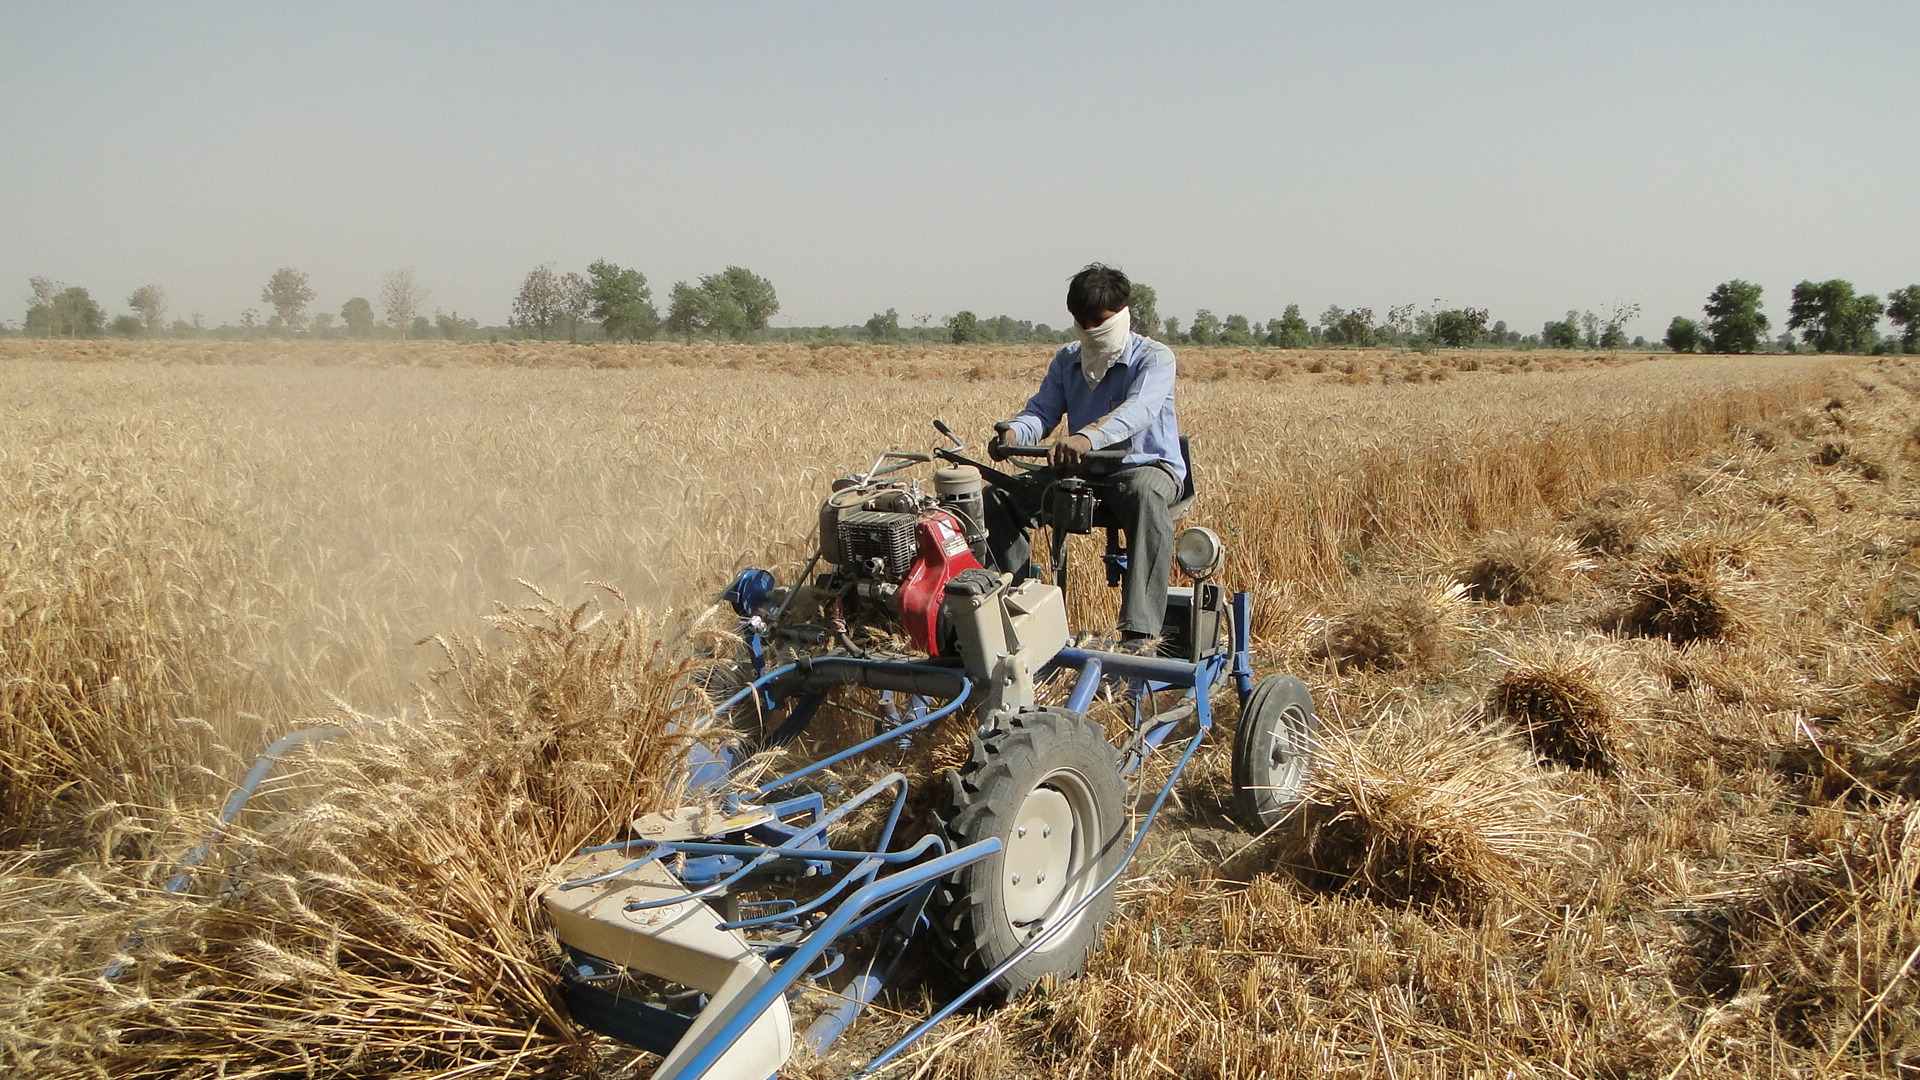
1140	499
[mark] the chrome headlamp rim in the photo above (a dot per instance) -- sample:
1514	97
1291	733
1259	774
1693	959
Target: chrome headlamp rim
1199	552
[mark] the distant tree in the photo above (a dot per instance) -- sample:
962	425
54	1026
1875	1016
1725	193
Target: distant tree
69	313
421	328
964	327
1459	328
689	311
1236	331
150	303
1734	322
1289	331
576	299
1832	319
1903	310
622	302
1356	326
537	307
320	323
1564	334
884	326
288	292
39	320
358	315
1144	305
1613	332
1170	330
750	296
127	326
400	300
1330	320
453	327
735	303
1589	329
1683	335
1205	329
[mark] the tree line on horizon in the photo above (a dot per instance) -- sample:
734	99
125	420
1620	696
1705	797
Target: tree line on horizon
1829	316
614	303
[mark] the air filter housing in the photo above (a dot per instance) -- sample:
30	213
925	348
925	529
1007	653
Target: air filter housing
877	534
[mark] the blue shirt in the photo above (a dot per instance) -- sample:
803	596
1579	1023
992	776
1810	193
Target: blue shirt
1131	409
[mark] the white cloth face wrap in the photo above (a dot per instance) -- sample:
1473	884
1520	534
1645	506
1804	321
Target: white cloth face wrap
1102	345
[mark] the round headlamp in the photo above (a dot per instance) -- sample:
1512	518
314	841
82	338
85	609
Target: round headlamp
1199	553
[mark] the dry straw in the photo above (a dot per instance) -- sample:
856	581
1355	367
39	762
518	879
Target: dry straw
209	543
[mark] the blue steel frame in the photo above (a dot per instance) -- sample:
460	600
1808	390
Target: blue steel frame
866	891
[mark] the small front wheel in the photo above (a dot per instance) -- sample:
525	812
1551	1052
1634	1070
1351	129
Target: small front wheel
1047	784
1273	751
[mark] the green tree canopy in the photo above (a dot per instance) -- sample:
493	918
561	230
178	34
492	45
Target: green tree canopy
287	290
1143	305
1564	334
63	311
1903	310
1205	329
884	326
735	303
1683	335
1734	323
1236	331
358	315
1290	330
963	327
1832	319
1460	328
622	302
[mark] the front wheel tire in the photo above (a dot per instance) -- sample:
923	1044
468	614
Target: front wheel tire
1273	752
1047	784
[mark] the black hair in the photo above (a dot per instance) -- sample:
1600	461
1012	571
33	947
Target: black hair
1095	291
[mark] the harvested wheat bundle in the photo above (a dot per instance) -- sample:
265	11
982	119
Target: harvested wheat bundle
1415	627
380	921
1687	591
1515	568
1566	699
1831	939
1613	523
1431	806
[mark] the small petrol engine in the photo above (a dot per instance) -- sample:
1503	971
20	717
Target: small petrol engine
894	545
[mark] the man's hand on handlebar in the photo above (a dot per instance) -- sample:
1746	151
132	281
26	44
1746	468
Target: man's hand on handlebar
1067	452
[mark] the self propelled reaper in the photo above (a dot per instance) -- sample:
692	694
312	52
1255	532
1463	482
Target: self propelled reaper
697	935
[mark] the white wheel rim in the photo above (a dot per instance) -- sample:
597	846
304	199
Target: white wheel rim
1047	865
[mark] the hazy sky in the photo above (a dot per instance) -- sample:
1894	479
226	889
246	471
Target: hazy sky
1527	157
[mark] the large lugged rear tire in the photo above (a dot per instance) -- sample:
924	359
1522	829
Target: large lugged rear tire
1047	784
1273	751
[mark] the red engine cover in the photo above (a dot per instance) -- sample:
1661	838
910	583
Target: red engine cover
942	553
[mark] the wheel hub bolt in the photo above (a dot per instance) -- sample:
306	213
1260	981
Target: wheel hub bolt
1015	879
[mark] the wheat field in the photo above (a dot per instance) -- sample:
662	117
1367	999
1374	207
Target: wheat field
1616	655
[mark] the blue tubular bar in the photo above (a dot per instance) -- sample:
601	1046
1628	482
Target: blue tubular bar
857	995
1243	645
1087	685
757	854
973	991
238	800
1154	668
857	874
803	957
861	748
